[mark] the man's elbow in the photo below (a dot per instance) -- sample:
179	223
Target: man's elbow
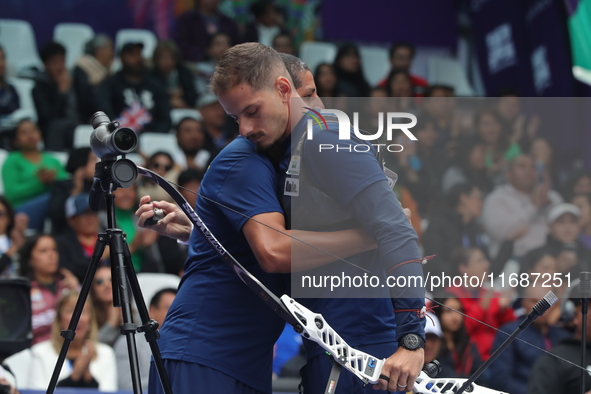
274	262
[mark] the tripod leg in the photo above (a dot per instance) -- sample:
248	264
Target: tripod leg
149	327
118	246
70	333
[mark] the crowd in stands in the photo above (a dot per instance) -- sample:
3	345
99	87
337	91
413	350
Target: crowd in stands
485	191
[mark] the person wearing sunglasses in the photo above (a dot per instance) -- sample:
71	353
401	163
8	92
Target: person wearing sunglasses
162	164
108	317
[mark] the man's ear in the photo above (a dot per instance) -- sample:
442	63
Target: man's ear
284	88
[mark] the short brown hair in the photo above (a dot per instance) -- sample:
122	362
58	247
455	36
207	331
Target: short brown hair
252	63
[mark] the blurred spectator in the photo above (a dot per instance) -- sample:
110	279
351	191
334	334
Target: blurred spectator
401	56
220	129
583	202
138	239
499	151
60	103
216	46
421	164
81	165
325	80
174	76
190	179
108	317
12	236
133	96
541	152
542	265
440	104
90	364
350	79
458	355
399	84
577	182
515	214
283	43
266	23
539	260
162	164
456	226
90	70
28	174
520	128
514	365
9	100
77	244
195	27
469	166
159	305
434	337
95	64
551	375
563	239
480	303
192	140
40	262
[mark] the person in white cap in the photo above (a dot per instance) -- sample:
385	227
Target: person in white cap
563	239
434	337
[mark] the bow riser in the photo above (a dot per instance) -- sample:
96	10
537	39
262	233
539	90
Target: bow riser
315	328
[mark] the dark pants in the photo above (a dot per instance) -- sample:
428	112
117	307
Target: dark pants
196	379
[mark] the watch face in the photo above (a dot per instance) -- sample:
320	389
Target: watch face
412	341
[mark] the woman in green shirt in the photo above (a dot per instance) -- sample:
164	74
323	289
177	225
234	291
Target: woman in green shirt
499	150
28	174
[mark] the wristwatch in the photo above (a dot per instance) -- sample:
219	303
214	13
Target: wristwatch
412	342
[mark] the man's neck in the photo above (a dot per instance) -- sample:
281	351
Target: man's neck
132	77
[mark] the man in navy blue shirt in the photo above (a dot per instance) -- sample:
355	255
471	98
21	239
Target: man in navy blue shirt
217	328
267	110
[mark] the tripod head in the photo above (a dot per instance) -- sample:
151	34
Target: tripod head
109	141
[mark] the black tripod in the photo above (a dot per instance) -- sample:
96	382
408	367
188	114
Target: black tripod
107	176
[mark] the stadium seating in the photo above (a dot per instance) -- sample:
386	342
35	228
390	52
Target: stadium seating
375	63
151	143
82	135
73	36
18	40
448	71
314	53
151	283
24	89
176	115
146	37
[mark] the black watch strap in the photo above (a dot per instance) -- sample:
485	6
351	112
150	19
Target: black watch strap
412	342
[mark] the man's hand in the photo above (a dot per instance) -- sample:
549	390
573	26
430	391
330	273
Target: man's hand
175	223
403	368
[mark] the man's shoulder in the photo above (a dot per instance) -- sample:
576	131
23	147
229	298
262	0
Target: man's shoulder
238	152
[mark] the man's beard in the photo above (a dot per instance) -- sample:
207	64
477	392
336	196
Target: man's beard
191	151
263	149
